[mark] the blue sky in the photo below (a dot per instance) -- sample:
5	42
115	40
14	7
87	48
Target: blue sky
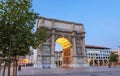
101	18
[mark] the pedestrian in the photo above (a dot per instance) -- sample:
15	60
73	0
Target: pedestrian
109	65
19	68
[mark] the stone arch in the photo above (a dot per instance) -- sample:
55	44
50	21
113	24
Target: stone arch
64	42
74	32
66	52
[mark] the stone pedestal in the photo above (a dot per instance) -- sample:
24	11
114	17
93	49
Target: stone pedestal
38	65
79	64
74	63
52	65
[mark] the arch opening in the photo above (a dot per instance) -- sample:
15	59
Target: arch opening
63	56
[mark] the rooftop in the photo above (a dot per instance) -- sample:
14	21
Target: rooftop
96	47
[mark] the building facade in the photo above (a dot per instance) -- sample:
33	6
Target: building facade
97	55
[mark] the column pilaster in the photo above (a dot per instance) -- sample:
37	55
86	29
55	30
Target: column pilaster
83	49
74	44
52	64
74	62
85	64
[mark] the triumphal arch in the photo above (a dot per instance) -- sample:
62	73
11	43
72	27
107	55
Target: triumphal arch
70	35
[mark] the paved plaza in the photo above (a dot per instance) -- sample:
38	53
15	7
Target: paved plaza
91	71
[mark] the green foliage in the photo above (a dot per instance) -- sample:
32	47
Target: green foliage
17	20
113	57
41	36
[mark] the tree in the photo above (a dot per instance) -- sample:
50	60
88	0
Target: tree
113	57
17	19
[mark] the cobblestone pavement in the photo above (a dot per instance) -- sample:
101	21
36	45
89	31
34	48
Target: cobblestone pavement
91	71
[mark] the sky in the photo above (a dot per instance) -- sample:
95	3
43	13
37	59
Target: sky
101	18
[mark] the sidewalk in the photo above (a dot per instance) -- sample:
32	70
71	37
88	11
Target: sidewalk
34	71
